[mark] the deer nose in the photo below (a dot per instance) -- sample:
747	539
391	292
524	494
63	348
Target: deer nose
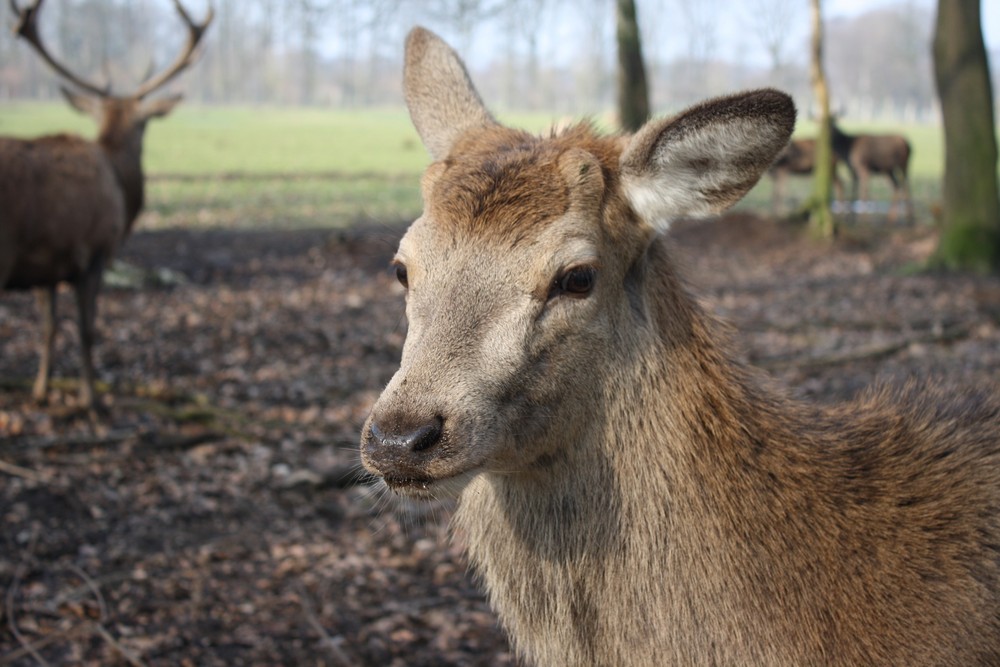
417	439
400	452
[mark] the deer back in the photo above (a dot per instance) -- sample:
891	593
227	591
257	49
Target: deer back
62	204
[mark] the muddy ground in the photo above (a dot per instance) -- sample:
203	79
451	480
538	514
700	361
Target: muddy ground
215	514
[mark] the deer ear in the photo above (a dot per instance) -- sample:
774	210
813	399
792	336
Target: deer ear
705	159
442	100
87	104
160	107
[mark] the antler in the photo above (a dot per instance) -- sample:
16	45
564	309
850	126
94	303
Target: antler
187	56
27	27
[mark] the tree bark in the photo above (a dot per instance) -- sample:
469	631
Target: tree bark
970	238
821	222
633	93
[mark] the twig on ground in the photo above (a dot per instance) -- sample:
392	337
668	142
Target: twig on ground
125	653
102	606
18	471
32	648
330	643
98	626
865	353
76	441
15	586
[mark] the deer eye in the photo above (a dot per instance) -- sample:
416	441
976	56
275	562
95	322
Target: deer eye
401	275
576	282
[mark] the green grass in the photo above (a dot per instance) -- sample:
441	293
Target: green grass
197	140
248	202
281	167
216	140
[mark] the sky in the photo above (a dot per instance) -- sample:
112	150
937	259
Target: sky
744	47
990	14
731	20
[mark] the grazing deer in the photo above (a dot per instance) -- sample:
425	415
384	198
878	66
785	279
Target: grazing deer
867	154
798	158
68	203
629	491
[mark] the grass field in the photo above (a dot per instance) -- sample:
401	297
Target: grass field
279	167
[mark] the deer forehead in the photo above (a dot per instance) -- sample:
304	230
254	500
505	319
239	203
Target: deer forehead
504	197
511	198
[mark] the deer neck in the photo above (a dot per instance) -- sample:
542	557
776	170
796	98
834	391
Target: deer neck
672	395
125	155
840	142
627	514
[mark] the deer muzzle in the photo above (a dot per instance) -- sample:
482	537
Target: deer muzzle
402	451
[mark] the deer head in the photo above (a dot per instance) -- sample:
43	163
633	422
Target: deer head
532	285
121	118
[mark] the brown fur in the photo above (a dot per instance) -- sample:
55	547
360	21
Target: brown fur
68	204
867	154
797	159
630	493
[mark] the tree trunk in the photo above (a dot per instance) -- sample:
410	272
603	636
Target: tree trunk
821	222
971	235
633	94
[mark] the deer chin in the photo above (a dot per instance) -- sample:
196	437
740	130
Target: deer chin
430	488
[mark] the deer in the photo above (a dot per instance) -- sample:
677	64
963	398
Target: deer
867	154
798	158
69	203
629	491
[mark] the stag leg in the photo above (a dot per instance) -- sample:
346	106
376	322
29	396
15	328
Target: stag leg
896	196
46	299
777	192
838	185
86	301
904	185
853	203
863	181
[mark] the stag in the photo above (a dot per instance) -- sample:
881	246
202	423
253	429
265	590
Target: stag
867	154
68	203
798	158
630	492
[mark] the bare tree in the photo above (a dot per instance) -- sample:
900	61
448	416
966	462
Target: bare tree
971	235
878	61
773	22
633	93
775	26
821	221
699	30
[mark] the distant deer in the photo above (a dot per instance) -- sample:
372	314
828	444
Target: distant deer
629	491
67	203
867	154
798	158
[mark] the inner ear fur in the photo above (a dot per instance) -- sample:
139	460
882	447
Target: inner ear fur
705	159
159	107
82	102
